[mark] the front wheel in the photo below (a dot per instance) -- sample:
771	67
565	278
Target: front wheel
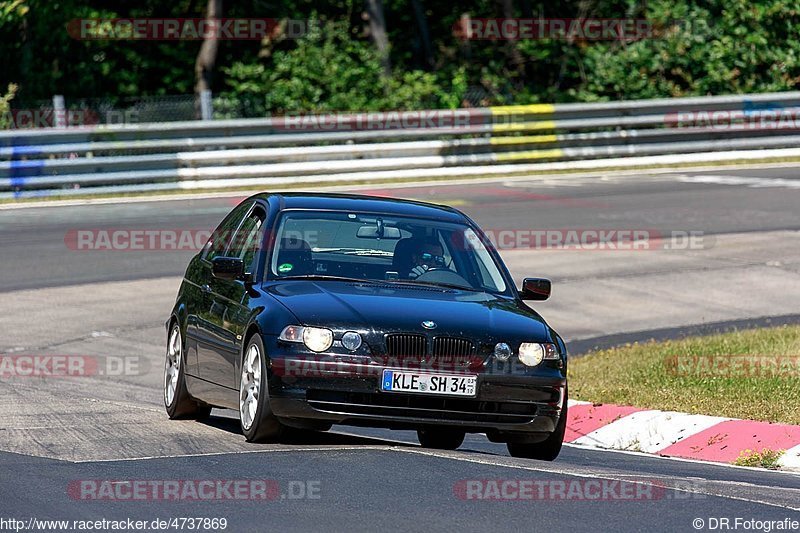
440	438
255	416
177	400
548	449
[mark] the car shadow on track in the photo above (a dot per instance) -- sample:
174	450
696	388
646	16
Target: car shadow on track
303	437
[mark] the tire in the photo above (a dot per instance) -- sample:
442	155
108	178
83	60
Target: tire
548	449
178	402
440	438
257	421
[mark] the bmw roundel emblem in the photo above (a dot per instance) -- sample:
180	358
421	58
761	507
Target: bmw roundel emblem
429	324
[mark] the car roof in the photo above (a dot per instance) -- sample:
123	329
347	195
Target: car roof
363	203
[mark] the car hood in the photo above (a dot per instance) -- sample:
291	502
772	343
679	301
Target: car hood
389	308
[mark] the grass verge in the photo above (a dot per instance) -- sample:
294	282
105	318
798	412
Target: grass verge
749	374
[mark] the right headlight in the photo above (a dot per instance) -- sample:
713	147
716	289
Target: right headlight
315	339
533	353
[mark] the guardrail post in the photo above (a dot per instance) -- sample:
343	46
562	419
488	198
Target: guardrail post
59	111
206	108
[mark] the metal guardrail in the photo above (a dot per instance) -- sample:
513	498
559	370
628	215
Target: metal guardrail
195	154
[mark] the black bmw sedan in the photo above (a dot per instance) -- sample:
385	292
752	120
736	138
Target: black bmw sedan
307	310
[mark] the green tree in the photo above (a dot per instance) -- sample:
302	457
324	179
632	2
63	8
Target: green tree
5	107
330	70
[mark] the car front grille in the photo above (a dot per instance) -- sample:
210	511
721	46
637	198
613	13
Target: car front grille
452	347
413	351
406	345
409	406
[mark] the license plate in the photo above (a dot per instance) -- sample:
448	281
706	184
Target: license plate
422	383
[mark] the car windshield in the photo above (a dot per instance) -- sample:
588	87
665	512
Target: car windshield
333	245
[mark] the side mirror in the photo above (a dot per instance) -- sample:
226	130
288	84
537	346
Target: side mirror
227	268
535	289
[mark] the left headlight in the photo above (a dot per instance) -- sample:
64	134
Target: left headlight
533	353
315	339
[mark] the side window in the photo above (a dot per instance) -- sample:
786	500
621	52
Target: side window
221	237
448	258
490	276
485	277
247	240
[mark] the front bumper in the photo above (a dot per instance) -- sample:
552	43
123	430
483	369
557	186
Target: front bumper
344	390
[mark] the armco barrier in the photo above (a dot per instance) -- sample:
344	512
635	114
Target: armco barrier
185	155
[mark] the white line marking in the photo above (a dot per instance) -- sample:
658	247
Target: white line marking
323	448
588	474
751	182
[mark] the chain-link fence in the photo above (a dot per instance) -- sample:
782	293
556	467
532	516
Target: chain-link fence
61	112
81	112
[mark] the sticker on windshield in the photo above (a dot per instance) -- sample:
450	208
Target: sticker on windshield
285	267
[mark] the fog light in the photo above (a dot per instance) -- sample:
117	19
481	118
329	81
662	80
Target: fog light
351	340
502	351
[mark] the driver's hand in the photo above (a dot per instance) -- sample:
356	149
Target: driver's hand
417	271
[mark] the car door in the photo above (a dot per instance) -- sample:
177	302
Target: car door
194	298
201	336
227	313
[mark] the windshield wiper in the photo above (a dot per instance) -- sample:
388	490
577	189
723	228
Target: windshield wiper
443	285
326	277
353	251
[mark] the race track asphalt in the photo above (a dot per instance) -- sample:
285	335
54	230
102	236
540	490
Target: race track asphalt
56	433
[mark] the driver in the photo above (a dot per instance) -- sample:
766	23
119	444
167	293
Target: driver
425	257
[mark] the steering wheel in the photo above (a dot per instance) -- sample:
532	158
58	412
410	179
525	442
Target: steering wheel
432	269
443	275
